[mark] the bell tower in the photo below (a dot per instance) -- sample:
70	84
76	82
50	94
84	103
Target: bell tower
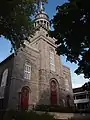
51	74
42	19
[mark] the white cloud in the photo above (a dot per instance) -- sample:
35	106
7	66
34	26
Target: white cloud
74	85
78	80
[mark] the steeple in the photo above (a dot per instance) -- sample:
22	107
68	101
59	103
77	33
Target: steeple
42	19
41	7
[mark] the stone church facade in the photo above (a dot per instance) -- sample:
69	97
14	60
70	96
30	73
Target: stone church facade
35	76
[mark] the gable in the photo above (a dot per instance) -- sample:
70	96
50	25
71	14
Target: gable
35	41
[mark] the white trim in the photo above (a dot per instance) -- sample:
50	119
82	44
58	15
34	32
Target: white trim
4	78
2	90
48	40
81	100
27	71
29	46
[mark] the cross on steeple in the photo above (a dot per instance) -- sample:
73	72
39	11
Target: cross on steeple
41	19
40	6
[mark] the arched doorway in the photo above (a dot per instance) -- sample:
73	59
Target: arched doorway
53	89
24	99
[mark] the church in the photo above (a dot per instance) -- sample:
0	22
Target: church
35	75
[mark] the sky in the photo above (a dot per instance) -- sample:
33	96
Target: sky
50	8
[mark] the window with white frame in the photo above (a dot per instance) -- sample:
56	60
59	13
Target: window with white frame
52	64
4	78
27	71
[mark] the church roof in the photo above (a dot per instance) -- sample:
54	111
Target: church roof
8	58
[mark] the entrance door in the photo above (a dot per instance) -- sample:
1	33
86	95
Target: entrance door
53	93
24	98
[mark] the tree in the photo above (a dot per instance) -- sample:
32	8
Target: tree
72	30
16	22
86	86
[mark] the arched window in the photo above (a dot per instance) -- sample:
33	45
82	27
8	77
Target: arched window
53	87
44	22
4	78
41	21
3	83
38	23
27	71
24	98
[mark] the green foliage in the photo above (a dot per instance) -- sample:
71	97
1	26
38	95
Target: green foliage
86	86
16	22
26	115
71	29
54	108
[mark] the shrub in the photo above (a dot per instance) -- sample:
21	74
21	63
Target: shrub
25	115
54	108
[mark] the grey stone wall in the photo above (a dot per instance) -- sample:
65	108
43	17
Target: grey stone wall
7	63
17	79
44	88
37	54
67	79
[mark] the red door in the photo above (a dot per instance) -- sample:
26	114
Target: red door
53	93
24	98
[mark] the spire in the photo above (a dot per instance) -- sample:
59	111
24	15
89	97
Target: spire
42	19
41	6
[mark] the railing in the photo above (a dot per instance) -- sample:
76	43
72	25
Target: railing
81	100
